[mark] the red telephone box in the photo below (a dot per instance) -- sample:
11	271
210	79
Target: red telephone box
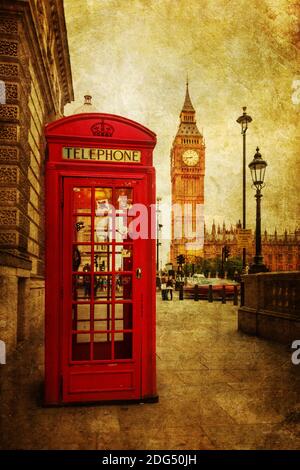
100	265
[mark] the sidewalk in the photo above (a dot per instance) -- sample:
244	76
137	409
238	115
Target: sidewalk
218	389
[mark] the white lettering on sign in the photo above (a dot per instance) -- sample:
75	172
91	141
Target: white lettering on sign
103	155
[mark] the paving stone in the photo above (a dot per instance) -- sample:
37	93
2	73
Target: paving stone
219	389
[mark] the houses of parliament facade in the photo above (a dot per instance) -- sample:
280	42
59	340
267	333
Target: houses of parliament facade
281	251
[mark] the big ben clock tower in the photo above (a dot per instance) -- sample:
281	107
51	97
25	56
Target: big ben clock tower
187	179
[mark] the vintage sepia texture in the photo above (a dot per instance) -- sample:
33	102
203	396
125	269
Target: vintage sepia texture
134	57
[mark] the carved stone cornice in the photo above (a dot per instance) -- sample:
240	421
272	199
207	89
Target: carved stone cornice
58	18
30	15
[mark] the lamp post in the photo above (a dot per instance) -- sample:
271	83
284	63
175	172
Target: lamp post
258	169
158	230
244	120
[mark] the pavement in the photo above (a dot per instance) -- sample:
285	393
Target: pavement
218	389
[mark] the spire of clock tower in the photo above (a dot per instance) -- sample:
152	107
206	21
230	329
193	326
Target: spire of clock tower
187	125
187	105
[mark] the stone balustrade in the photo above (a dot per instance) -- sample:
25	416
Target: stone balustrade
271	306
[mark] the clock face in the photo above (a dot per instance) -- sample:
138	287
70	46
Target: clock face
190	157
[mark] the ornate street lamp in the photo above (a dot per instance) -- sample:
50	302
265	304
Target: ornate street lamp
244	120
258	170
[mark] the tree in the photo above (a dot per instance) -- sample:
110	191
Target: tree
233	266
214	266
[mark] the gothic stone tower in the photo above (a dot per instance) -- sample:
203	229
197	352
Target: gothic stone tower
187	179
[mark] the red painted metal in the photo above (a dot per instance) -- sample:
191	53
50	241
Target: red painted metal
100	317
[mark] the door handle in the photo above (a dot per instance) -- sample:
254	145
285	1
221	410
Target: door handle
138	273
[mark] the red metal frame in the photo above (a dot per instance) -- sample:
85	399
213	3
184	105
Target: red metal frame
98	378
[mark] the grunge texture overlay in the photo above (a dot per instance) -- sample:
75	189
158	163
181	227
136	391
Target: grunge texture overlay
133	57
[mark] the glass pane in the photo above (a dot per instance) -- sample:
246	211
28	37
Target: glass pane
102	325
80	312
102	316
103	229
119	325
102	346
82	200
123	346
81	257
123	199
83	325
103	200
121	228
119	336
134	228
123	260
124	312
124	226
81	347
123	286
102	311
82	229
81	287
103	258
102	287
102	337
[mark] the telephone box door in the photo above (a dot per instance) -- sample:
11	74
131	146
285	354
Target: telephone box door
102	272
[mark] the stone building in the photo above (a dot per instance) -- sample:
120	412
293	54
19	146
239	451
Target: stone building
36	83
280	252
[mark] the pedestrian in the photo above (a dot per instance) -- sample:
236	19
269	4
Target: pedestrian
170	285
164	287
87	280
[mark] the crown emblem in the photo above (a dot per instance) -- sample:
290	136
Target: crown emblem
102	129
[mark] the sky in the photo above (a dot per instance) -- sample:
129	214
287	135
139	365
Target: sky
133	57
